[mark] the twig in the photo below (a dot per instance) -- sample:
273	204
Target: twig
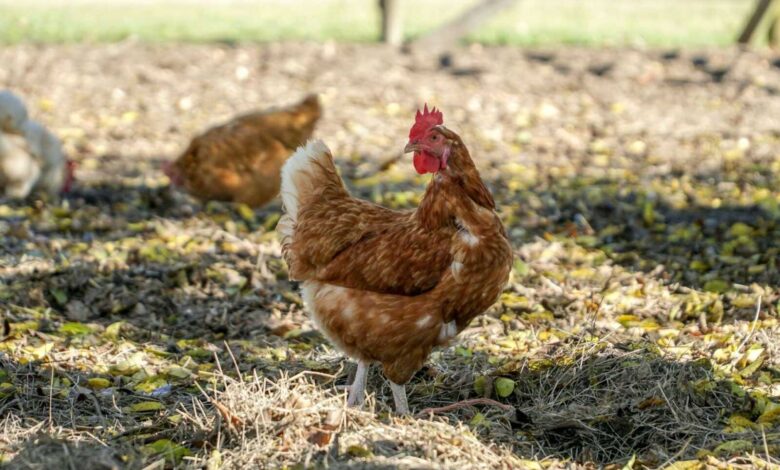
668	403
96	404
752	327
232	420
51	398
766	446
315	373
235	363
70	459
134	429
7	405
158	464
463	404
678	454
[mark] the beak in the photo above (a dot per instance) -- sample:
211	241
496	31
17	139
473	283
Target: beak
411	147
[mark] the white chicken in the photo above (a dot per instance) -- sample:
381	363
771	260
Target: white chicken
13	113
31	157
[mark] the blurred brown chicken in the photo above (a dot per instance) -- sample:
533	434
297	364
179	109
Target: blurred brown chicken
240	161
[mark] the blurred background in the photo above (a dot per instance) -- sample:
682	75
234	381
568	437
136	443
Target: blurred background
528	22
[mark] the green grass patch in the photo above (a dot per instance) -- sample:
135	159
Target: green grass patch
659	23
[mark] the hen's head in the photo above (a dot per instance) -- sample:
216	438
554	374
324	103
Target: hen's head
172	172
70	176
430	146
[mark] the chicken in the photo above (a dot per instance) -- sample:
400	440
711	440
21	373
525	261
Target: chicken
19	170
13	113
387	286
31	157
240	161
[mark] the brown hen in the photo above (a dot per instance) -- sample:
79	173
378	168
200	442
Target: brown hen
387	286
240	161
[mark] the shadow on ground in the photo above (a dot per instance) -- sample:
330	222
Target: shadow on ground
177	281
661	227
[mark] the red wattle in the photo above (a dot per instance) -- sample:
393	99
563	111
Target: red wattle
425	163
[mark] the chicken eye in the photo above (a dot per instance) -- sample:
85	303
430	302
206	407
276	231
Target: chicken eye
434	137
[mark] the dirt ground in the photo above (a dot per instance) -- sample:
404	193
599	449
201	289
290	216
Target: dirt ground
639	329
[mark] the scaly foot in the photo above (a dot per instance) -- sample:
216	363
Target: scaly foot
357	390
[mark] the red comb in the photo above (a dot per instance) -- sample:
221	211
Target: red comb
425	120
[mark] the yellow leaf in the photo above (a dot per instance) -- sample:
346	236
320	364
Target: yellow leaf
478	420
583	273
129	116
628	320
178	372
507	344
46	104
649	325
507	317
359	451
648	213
739	424
751	355
124	368
722	354
7	388
716	285
171	451
685	465
699	265
146	406
752	368
531	465
734	447
41	351
98	383
771	413
538	317
740	229
175	419
479	384
246	212
112	330
504	387
514	300
150	384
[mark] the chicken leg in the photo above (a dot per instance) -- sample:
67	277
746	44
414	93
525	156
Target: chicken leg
357	390
399	396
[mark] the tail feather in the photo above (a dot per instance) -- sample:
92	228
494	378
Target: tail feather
304	116
308	175
310	104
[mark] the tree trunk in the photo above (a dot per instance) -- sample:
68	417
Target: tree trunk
762	6
392	25
773	35
447	35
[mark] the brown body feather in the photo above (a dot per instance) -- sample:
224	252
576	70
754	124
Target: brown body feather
383	285
240	161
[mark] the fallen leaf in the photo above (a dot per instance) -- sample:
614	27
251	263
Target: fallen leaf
98	383
504	386
146	406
